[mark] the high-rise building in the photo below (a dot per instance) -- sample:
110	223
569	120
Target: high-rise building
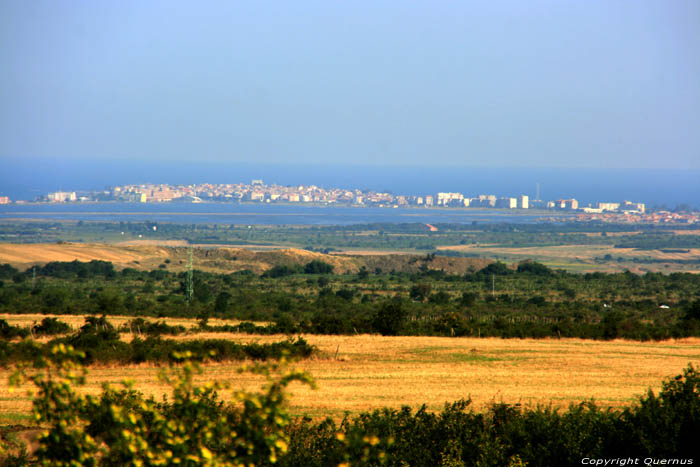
507	203
571	204
524	202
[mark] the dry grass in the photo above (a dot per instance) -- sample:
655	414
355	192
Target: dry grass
76	321
27	255
150	255
581	257
374	371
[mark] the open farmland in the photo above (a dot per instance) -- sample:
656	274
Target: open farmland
356	373
588	258
577	247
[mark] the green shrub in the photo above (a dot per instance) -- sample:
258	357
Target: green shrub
390	319
157	328
7	331
51	327
318	267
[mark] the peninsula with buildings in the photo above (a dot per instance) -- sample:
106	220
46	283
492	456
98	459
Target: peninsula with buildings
258	192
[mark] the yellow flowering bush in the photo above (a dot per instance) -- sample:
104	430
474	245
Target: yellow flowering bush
121	427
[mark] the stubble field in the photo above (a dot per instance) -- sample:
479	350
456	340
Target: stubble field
358	373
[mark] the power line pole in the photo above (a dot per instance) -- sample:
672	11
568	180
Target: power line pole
190	282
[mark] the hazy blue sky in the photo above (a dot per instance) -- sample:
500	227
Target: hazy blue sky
606	84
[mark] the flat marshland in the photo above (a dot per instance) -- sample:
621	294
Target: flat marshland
362	372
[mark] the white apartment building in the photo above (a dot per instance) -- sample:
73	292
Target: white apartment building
524	202
62	196
608	206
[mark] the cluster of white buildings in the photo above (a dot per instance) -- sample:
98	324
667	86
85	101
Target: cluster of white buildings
625	206
481	201
62	196
258	192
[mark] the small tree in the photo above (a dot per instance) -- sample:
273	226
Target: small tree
221	304
318	267
390	319
420	292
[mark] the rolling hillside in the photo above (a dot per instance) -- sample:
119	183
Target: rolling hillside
175	258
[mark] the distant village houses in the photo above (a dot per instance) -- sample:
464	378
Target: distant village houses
258	192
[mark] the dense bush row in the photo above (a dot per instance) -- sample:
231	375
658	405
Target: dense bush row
100	342
663	426
195	427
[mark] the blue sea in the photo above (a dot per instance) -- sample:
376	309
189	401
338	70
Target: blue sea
655	187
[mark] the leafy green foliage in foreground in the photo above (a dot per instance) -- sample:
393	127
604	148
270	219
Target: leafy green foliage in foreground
195	427
121	427
660	426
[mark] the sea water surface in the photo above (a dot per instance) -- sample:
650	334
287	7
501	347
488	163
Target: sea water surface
258	214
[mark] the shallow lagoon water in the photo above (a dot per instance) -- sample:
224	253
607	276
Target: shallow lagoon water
259	214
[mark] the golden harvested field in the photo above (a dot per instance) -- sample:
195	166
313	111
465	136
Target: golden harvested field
373	371
27	255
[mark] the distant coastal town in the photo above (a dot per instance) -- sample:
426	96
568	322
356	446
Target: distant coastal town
258	192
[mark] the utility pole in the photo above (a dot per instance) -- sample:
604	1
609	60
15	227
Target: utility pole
493	284
190	283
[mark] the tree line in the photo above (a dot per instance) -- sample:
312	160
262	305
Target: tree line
529	300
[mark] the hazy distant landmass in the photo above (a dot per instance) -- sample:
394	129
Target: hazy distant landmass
21	180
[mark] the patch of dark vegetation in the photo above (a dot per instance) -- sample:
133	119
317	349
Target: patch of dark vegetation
150	328
51	327
100	343
665	241
7	331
